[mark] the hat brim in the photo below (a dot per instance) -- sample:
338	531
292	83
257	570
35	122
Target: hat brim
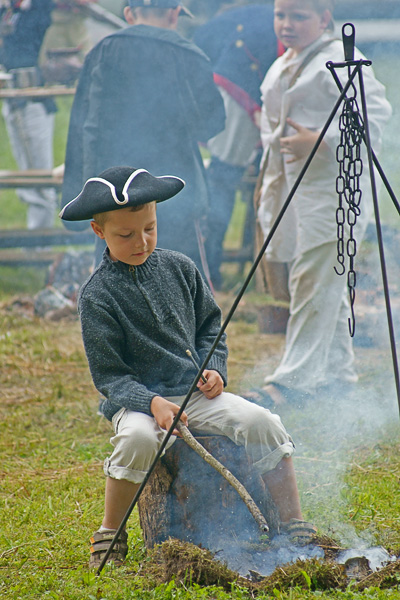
101	195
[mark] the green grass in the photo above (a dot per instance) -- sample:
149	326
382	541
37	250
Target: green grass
51	492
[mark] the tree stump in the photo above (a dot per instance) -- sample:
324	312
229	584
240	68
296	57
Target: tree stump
187	499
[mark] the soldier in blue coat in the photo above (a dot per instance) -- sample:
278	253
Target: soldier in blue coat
241	45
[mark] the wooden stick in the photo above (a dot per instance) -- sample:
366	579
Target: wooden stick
34	92
190	355
231	479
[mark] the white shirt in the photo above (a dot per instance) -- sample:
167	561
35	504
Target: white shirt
310	219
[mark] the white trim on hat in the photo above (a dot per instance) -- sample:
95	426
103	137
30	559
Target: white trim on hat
66	206
128	183
111	188
100	180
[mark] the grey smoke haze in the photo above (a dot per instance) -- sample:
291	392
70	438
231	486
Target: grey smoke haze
333	433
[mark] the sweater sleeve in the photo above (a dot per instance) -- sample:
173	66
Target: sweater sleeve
208	320
103	340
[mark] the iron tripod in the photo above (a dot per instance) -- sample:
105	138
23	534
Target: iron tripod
348	41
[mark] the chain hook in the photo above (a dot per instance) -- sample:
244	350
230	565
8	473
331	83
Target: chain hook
348	157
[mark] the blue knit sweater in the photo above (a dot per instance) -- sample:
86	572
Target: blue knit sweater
138	322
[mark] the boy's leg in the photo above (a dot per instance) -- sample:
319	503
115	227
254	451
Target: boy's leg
118	498
136	442
261	432
265	440
282	485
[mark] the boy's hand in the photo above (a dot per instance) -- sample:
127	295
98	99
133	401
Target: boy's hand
165	412
214	385
300	144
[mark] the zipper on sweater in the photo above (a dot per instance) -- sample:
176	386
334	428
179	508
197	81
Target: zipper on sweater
132	270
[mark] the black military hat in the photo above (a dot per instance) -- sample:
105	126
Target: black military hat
120	187
161	4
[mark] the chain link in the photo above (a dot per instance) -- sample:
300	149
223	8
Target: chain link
348	156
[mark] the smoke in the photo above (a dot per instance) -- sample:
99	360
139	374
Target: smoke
342	425
205	510
330	432
336	428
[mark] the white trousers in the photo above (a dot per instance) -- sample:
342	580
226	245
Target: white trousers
318	347
138	438
30	131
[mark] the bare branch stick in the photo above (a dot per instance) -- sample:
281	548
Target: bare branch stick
190	355
231	479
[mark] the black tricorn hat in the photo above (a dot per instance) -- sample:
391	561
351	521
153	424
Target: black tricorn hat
120	187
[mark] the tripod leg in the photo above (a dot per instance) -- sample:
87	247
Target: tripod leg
380	240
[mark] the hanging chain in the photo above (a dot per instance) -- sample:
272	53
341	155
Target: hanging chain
348	156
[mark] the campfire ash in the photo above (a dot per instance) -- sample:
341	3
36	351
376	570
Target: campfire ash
257	562
185	562
368	560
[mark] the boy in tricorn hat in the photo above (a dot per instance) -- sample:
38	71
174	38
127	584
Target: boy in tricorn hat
140	310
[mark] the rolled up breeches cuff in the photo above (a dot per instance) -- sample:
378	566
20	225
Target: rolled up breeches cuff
274	458
138	438
136	442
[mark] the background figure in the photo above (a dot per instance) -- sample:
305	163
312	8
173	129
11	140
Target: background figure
29	122
146	97
66	42
298	94
241	45
68	28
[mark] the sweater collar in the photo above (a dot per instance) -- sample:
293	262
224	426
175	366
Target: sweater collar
142	271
